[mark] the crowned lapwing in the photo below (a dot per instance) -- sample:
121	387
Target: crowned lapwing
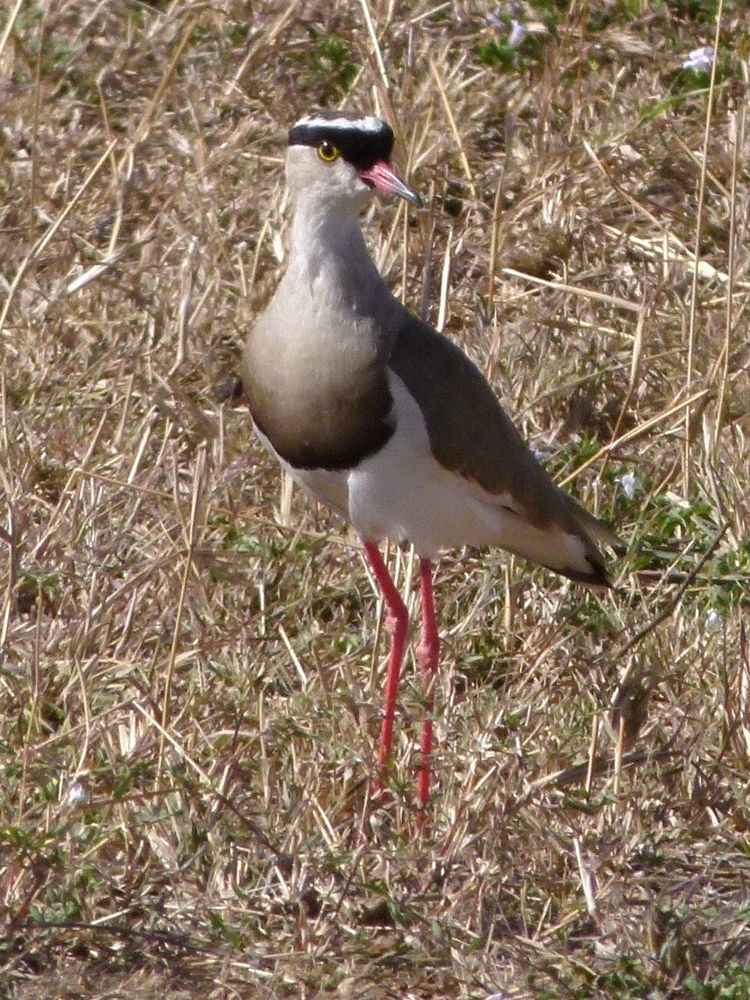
382	418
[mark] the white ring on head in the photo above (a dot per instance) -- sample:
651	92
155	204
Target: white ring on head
364	124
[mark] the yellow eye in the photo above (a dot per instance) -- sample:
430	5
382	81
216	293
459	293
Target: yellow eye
328	152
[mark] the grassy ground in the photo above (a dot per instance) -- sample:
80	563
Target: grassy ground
189	688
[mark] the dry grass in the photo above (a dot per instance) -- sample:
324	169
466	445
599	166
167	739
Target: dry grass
189	688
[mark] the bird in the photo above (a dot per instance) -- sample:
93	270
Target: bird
386	421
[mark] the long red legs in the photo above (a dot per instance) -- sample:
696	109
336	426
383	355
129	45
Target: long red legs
428	652
397	624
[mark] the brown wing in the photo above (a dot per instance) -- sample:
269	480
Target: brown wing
471	434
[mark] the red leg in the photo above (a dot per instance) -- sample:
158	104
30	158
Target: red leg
427	656
397	624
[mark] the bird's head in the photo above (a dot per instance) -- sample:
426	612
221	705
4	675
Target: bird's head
342	159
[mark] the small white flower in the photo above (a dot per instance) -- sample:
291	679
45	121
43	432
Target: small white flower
700	60
628	482
713	620
517	34
76	795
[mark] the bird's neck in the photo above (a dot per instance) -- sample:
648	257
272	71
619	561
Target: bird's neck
328	239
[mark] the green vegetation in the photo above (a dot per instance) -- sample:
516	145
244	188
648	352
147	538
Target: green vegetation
189	673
